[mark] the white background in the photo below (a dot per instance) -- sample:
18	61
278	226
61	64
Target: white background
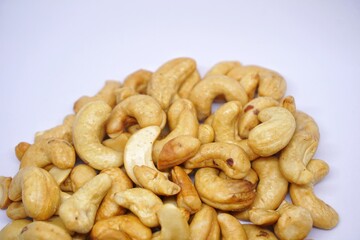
52	52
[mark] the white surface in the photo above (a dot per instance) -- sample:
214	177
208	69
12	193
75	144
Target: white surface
52	53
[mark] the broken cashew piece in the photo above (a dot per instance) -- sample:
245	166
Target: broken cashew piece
230	227
88	133
79	210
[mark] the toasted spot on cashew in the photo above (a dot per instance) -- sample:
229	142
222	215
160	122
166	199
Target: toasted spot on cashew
172	222
78	211
294	222
222	68
80	175
142	202
106	94
168	78
4	192
16	211
230	227
263	217
212	188
116	226
42	231
274	133
141	109
138	80
150	179
204	224
13	229
225	156
254	232
204	93
38	191
88	132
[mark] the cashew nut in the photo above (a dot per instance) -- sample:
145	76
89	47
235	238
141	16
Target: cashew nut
274	133
118	143
38	191
12	230
88	132
222	68
138	80
59	174
263	217
20	149
288	103
40	230
206	133
230	227
204	224
78	211
4	190
254	232
80	175
16	211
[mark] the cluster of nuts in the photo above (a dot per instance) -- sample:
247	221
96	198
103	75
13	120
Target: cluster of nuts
150	158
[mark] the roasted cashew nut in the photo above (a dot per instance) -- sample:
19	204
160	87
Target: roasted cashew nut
188	84
12	230
204	93
254	232
204	224
263	217
138	80
38	191
4	192
274	133
40	230
206	133
88	133
16	211
80	175
230	227
222	68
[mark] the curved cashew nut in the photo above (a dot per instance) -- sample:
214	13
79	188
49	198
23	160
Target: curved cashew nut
166	80
225	156
150	179
49	151
204	224
249	119
120	182
300	150
40	230
142	108
294	223
188	198
274	133
254	232
206	133
115	226
12	230
38	191
106	94
188	84
138	80
173	223
138	151
230	227
204	93
222	68
142	202
319	169
88	132
79	210
4	192
80	175
212	188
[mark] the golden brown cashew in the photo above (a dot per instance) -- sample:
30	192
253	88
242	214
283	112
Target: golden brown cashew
274	133
189	84
20	149
212	188
142	108
206	133
63	131
80	175
106	94
263	217
188	198
204	93
78	211
222	68
16	211
88	133
166	80
120	182
159	184
249	119
301	148
40	230
225	156
49	151
230	227
128	224
142	202
138	80
38	191
172	222
12	230
254	232
244	144
204	224
294	222
4	190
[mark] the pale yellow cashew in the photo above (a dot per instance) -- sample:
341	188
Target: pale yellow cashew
88	133
79	210
106	94
204	93
212	188
188	84
249	119
294	223
254	232
300	150
173	224
80	175
204	224
138	80
4	192
117	225
222	68
225	156
120	182
230	227
141	109
274	133
168	78
16	211
12	230
49	151
40	230
38	191
142	202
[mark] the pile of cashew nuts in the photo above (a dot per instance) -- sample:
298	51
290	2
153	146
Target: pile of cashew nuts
171	154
